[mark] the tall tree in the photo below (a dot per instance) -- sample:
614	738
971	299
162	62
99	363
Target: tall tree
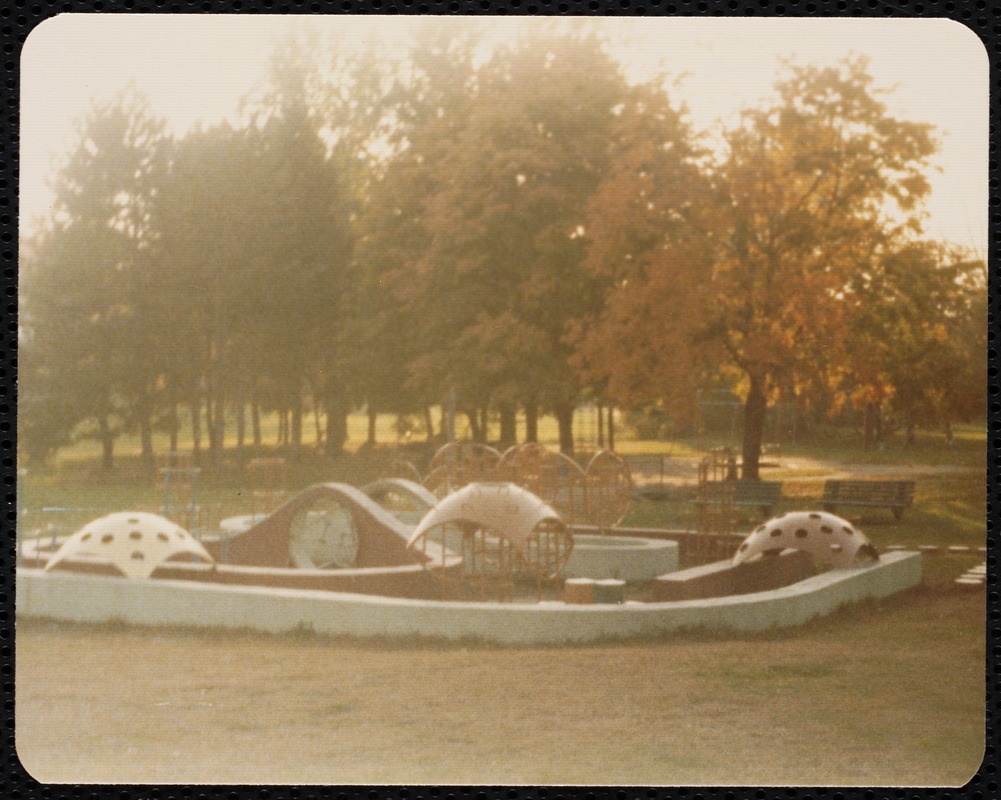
503	278
207	215
647	251
85	290
809	188
428	105
917	339
299	275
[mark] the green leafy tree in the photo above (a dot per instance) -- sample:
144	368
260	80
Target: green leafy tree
428	105
206	213
917	339
257	221
87	318
503	278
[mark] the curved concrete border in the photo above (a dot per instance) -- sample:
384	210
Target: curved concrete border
86	598
625	557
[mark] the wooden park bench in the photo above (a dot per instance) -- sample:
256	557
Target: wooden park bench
894	495
763	495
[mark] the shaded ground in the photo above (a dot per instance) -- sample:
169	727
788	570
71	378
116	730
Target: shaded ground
887	693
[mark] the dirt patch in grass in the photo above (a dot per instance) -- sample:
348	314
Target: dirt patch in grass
885	693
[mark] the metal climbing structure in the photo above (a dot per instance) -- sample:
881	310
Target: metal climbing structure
459	464
506	536
178	477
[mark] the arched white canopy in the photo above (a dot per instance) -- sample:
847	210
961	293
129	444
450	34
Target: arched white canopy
503	508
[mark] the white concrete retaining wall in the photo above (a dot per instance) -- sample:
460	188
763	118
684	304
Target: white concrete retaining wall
85	598
625	557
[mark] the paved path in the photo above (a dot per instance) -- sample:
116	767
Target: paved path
683	470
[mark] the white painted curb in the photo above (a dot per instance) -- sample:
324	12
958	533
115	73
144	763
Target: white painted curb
97	599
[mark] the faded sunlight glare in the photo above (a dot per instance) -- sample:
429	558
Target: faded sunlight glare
196	70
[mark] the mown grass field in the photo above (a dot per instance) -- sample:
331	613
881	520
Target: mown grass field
887	693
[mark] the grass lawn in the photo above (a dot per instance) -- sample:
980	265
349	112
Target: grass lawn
889	693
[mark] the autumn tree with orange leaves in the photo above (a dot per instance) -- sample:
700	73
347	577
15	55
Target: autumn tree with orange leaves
648	247
752	279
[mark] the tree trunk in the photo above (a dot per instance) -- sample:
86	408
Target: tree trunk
611	428
484	425
207	425
107	443
564	419
255	422
296	427
196	428
801	425
337	427
210	426
318	427
146	437
531	422
871	425
508	425
428	423
173	423
373	418
754	427
474	423
217	431
282	427
241	424
601	427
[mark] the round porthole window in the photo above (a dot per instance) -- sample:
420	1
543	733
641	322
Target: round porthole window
323	535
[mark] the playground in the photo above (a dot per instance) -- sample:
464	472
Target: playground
894	686
476	403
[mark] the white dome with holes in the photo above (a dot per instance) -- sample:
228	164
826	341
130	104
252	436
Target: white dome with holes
134	542
830	540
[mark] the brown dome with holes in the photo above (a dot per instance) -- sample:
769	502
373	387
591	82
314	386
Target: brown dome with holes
830	540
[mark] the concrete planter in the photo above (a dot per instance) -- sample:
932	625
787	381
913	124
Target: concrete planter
627	558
